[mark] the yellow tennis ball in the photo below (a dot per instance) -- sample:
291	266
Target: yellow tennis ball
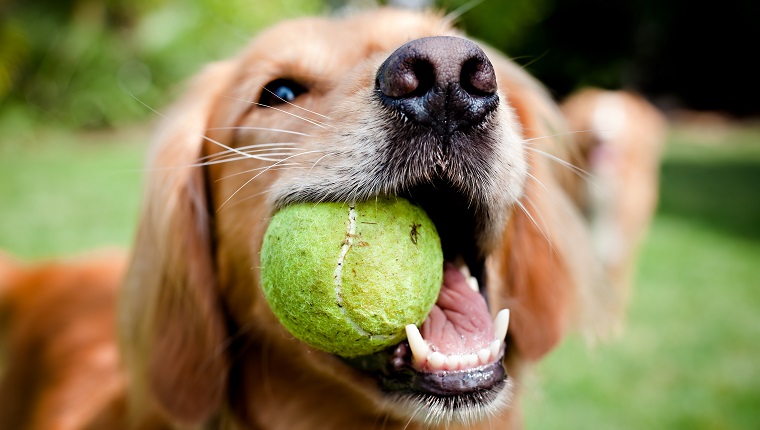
347	278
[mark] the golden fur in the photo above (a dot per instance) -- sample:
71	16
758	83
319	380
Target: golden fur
199	346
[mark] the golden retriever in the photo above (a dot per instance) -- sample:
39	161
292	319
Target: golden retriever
384	103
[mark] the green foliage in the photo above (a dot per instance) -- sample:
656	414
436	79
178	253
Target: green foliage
14	49
502	24
87	63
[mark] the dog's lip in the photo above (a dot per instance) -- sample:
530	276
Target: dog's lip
460	382
393	369
401	370
459	332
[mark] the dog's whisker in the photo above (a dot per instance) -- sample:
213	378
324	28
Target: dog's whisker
228	154
310	121
276	130
285	166
245	155
532	219
575	169
452	17
144	104
600	188
252	196
251	149
268	145
589	178
318	160
536	180
196	165
228	148
568	133
295	105
415	412
272	156
261	173
534	60
258	155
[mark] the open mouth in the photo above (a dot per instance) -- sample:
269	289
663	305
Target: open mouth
456	355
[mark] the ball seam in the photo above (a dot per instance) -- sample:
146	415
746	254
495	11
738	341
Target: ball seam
348	242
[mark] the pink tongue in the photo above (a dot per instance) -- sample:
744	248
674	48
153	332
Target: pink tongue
459	323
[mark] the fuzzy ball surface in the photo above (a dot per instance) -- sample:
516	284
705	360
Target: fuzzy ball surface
346	278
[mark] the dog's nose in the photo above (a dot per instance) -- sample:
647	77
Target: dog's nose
446	83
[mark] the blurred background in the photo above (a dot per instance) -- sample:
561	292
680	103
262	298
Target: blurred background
80	80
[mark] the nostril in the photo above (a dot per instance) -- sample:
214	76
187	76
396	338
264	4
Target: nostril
410	78
425	72
478	77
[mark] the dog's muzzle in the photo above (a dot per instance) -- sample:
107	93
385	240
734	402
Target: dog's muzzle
443	89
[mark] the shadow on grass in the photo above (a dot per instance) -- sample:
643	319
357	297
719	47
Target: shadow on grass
723	194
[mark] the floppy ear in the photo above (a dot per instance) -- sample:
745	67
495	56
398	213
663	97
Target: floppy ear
552	279
171	321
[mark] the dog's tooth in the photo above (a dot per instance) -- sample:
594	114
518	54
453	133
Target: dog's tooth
484	356
436	360
471	360
494	348
420	348
473	283
462	266
453	361
501	324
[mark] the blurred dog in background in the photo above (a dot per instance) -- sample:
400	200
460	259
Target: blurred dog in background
541	208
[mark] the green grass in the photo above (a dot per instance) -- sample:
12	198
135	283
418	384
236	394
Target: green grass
690	355
63	193
688	359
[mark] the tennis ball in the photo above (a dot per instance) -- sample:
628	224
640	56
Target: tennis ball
347	278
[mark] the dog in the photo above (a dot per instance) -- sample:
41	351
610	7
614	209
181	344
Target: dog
385	103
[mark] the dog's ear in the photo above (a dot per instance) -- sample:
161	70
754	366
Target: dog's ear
552	278
172	325
548	265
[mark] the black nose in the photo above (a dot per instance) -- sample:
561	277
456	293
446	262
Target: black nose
445	83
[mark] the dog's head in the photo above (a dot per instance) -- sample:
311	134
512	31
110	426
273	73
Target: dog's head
390	103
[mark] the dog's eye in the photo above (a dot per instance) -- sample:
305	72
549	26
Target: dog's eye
280	91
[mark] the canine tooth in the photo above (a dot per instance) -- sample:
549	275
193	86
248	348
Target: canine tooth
436	360
452	361
484	355
420	348
501	324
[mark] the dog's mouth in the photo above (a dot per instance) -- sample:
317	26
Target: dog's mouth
455	358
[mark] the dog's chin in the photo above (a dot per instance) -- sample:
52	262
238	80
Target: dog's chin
412	388
440	397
